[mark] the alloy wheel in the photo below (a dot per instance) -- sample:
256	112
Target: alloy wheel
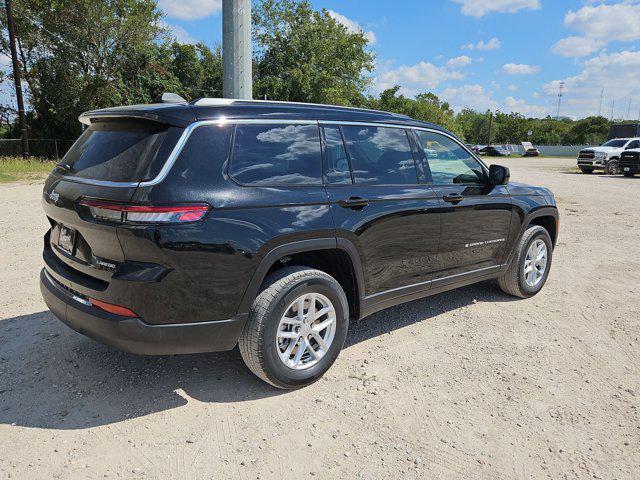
306	331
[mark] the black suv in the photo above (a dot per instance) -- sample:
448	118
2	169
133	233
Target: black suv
195	227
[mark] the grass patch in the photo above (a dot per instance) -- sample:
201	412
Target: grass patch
18	168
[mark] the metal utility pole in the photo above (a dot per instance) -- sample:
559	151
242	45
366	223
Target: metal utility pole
600	108
629	111
236	49
613	103
16	78
559	100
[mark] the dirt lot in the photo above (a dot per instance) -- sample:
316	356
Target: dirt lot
470	384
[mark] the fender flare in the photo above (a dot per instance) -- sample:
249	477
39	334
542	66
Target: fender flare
545	211
330	243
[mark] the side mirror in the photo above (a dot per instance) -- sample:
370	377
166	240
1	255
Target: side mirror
499	175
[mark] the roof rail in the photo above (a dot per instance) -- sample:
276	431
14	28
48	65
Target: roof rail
214	102
169	97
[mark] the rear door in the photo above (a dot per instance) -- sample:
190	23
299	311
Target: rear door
475	215
106	163
380	203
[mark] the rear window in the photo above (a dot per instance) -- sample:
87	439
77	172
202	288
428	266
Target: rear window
121	151
277	155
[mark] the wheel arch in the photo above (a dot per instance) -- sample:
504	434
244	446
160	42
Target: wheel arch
545	217
337	257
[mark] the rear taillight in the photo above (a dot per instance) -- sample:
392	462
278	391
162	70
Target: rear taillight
126	213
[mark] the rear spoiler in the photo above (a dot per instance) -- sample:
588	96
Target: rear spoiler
178	115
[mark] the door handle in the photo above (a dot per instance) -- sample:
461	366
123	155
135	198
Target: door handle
354	203
453	198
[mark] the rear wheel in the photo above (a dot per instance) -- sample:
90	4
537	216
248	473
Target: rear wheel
296	328
586	170
530	266
613	167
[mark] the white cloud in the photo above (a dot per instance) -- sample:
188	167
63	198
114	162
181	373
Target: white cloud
353	26
599	25
582	91
519	69
611	22
420	77
512	88
190	9
469	96
479	8
519	105
177	32
491	44
577	46
461	61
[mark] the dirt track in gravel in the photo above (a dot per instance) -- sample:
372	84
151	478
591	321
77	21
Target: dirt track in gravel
470	384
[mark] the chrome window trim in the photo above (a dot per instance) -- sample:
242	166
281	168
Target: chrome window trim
222	121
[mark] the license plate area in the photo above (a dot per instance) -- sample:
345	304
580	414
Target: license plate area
626	169
67	239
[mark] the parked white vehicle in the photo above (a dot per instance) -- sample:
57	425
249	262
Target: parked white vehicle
607	156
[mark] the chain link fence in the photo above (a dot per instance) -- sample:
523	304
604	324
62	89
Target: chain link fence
51	148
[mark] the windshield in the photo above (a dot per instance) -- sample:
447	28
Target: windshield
615	143
117	151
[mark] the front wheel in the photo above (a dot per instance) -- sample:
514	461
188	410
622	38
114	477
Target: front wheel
296	328
613	167
530	266
586	170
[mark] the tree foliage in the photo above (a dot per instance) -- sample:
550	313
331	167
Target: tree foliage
307	56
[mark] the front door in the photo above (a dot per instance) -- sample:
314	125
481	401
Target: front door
379	203
475	215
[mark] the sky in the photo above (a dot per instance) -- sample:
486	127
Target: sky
510	55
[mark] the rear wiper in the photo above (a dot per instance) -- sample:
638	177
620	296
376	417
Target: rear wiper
64	168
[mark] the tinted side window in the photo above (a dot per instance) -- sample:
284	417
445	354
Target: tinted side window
633	144
380	155
448	161
336	163
277	154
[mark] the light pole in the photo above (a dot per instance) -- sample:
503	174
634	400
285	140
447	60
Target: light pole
236	49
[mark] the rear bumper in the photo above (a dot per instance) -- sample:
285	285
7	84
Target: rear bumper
132	334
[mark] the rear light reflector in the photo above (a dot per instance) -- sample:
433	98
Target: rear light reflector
118	212
115	309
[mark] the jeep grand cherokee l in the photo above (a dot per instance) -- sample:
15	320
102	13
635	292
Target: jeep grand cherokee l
195	227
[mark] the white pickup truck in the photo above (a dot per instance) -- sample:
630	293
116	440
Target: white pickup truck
607	156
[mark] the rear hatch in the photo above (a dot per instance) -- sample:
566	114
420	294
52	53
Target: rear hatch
107	163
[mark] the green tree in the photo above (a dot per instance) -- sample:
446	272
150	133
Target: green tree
590	130
473	126
509	128
307	56
426	107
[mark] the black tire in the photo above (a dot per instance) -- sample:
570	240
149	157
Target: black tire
258	340
512	281
586	170
613	167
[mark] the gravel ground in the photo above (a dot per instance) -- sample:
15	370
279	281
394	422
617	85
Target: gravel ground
470	384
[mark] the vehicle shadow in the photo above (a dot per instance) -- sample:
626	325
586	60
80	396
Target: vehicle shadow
54	378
